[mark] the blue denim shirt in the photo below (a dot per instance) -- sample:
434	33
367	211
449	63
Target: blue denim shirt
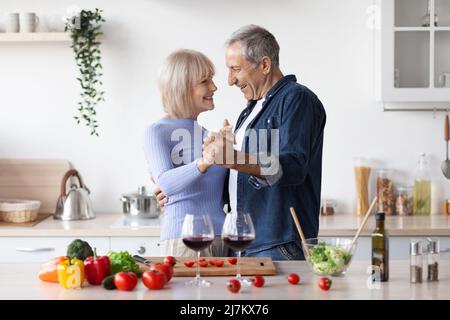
300	118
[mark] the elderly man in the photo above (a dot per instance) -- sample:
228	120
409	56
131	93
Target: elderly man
292	178
275	153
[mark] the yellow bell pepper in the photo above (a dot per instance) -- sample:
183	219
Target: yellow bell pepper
71	273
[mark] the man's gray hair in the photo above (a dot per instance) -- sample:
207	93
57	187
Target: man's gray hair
256	42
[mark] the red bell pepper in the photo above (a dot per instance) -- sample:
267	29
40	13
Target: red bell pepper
96	268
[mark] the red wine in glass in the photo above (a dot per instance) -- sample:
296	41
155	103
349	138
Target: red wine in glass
238	233
238	243
197	243
197	233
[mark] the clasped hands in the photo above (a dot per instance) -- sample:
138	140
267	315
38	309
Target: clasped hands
218	148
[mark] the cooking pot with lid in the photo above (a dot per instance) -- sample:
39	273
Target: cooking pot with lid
142	204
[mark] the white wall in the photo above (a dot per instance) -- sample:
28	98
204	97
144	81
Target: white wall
324	42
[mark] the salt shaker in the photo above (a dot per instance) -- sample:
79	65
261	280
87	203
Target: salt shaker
415	268
433	260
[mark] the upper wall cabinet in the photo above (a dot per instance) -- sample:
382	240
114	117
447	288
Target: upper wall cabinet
413	51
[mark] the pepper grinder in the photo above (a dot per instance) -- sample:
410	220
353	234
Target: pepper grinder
433	260
415	267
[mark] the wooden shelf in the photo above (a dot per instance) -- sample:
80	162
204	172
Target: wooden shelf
35	37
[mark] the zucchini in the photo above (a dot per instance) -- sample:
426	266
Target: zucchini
108	283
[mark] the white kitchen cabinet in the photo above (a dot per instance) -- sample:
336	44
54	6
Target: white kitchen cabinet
41	249
413	61
143	246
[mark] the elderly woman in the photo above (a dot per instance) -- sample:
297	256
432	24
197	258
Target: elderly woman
173	147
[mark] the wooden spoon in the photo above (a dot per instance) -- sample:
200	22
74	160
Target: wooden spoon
363	223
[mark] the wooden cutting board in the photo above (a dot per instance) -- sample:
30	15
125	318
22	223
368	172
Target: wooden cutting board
40	217
33	179
249	267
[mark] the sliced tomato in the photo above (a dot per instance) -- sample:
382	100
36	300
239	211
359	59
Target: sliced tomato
232	260
189	264
218	263
212	262
203	264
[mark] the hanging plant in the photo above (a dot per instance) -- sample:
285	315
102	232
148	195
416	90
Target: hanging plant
85	28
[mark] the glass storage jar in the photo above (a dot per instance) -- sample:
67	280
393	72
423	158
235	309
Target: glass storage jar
447	207
404	201
422	188
328	207
362	174
385	192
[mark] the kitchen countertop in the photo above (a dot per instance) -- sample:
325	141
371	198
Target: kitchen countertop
104	225
347	224
20	281
112	225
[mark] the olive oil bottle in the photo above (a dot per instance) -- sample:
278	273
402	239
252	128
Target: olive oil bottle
380	250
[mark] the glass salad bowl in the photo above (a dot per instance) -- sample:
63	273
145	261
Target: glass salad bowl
329	256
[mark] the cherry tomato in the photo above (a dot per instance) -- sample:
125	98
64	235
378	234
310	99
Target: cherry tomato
203	263
212	262
125	280
189	264
218	263
171	261
325	283
154	279
232	260
162	267
258	281
293	278
233	285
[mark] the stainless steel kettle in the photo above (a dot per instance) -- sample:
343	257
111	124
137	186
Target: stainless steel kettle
74	204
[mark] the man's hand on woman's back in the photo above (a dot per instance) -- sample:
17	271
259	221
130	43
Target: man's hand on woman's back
160	196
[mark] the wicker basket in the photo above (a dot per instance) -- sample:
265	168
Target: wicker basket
19	211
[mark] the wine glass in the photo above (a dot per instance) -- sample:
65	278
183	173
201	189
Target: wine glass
197	233
238	233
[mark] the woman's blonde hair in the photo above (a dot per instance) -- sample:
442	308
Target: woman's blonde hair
182	70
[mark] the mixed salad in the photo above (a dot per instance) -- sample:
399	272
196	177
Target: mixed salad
327	259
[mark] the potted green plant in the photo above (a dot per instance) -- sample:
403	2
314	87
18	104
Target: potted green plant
85	28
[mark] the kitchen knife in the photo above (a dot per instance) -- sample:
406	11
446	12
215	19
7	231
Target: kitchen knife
142	260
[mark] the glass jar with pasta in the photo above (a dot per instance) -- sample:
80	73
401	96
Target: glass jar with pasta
362	174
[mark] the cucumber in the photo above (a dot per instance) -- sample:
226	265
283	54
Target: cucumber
108	283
